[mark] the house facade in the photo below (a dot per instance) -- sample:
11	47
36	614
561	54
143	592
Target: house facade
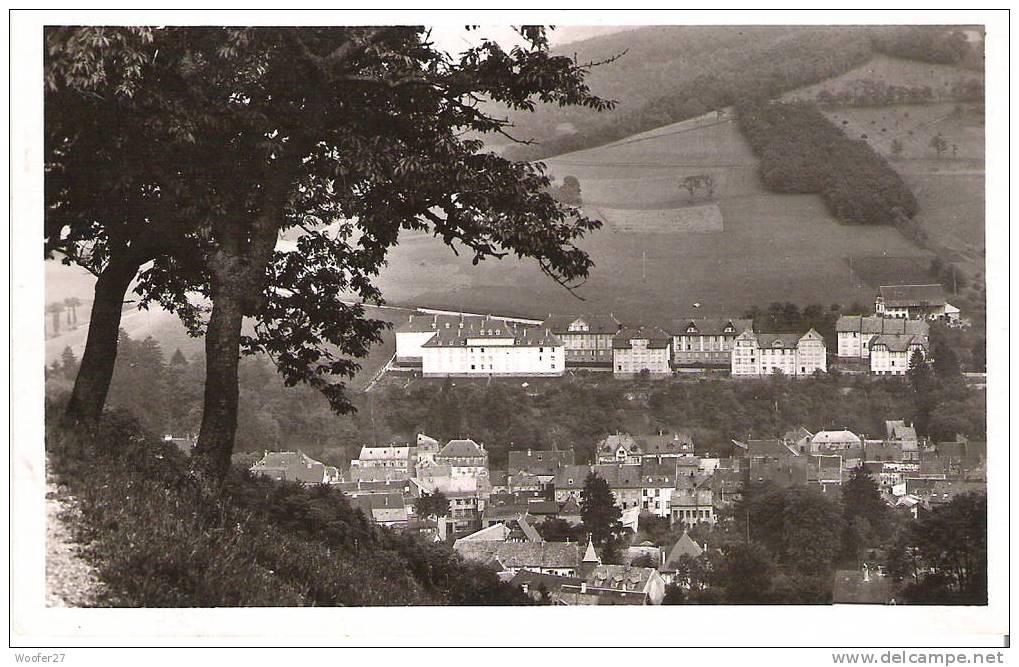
587	339
641	349
855	332
891	354
393	457
916	302
465	458
488	346
762	354
692	500
706	341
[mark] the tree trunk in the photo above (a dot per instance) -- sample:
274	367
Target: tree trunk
97	362
222	353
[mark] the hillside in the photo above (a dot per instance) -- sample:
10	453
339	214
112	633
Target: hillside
661	250
156	538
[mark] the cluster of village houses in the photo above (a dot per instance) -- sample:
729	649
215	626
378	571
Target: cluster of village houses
494	516
444	344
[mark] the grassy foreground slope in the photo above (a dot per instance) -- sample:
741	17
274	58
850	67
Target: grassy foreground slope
159	539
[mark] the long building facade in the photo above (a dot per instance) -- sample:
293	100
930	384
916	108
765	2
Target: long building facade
641	349
587	339
855	332
487	346
764	354
706	341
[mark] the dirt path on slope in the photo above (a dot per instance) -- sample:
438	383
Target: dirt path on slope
70	581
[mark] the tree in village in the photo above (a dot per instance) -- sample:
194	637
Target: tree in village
280	128
941	558
745	573
939	144
865	516
432	504
599	512
694	183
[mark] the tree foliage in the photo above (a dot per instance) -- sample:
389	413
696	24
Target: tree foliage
800	150
599	512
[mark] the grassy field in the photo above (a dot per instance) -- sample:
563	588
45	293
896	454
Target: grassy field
949	188
771	247
893	72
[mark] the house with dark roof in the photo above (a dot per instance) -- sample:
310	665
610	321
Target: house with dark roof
625	481
539	461
627	579
765	448
465	458
569	482
765	354
543	587
914	302
569	511
294	467
560	558
855	332
693	500
487	346
639	349
626	448
891	354
587	339
704	341
385	509
831	441
658	482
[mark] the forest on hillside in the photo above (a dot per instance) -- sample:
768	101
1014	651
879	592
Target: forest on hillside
800	150
666	74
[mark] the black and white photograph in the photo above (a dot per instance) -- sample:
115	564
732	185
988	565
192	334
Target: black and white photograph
462	314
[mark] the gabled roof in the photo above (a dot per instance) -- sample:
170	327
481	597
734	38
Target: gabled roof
898	342
539	460
461	449
771	448
570	508
523	554
488	328
684	546
497	532
897	430
786	341
656	338
388	453
593	323
620	577
835	437
658	475
709	326
571	477
876	324
902	296
619	475
797	434
290	466
535	580
676	443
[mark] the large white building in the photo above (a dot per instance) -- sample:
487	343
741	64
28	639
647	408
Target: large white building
641	349
762	354
916	302
587	338
488	346
421	326
890	354
855	332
